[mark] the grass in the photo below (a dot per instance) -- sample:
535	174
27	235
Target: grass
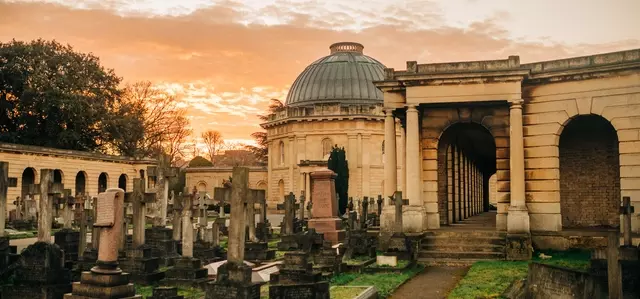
29	234
357	260
273	243
386	283
188	293
488	279
345	293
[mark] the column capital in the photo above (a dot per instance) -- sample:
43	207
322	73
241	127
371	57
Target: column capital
412	107
388	111
516	104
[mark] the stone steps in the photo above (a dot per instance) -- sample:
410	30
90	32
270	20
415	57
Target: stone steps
462	244
444	241
480	255
446	262
464	247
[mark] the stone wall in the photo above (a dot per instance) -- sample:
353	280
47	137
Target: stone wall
208	178
545	281
69	163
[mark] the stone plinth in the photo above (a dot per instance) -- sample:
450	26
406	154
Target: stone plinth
40	274
68	240
308	241
165	293
233	282
7	253
258	251
518	247
160	240
186	272
325	207
327	261
297	279
142	267
94	285
208	253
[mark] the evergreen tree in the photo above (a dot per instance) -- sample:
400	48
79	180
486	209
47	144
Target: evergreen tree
338	164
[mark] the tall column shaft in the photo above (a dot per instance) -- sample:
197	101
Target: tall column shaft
413	157
518	217
390	165
403	159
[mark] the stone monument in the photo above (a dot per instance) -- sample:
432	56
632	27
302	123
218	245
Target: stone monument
297	279
106	279
325	209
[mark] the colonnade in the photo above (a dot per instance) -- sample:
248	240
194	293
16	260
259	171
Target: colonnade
466	185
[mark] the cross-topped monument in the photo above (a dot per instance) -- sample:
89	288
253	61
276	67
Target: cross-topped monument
398	202
48	189
162	174
289	208
222	196
139	198
627	211
256	196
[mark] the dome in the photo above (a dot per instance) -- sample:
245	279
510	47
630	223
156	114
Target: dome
346	76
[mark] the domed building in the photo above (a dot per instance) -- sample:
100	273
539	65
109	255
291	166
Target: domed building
332	102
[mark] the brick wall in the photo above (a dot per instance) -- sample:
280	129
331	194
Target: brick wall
589	173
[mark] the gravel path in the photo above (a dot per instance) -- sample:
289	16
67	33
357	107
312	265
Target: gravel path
433	283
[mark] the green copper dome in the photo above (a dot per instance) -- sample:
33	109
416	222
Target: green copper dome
346	76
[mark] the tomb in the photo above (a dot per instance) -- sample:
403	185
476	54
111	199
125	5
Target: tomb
325	208
297	279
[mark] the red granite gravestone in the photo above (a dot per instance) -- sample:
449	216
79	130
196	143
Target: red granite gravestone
325	206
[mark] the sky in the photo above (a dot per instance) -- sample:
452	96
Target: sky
224	60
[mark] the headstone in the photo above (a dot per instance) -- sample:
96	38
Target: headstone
106	279
177	217
309	209
222	196
48	189
165	293
327	261
234	277
203	250
297	279
358	242
162	174
302	207
256	250
325	211
308	241
397	244
289	207
379	202
365	213
67	238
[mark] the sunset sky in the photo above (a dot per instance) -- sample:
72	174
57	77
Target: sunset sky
226	59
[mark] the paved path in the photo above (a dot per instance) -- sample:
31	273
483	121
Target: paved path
433	283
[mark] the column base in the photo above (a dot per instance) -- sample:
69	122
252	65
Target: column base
413	219
518	247
518	220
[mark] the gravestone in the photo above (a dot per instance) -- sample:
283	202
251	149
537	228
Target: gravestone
206	250
327	261
379	202
357	242
297	279
161	175
106	279
159	237
256	250
90	254
187	270
138	259
397	244
308	241
7	252
287	227
325	210
67	238
309	209
365	213
165	293
234	277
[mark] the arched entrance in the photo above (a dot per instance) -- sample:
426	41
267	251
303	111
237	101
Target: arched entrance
28	178
122	182
201	187
58	176
103	184
81	182
466	160
589	173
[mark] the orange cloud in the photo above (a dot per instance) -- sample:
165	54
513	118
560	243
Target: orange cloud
225	71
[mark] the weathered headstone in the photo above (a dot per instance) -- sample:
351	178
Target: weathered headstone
365	213
161	175
302	207
325	211
177	217
48	189
297	279
358	242
289	207
256	250
327	261
310	209
397	243
234	277
106	279
67	238
165	293
379	202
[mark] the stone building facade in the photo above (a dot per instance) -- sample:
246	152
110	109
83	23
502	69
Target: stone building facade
208	178
332	102
561	137
82	172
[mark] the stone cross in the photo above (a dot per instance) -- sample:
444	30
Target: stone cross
363	217
80	206
5	183
309	209
222	196
67	212
187	226
255	196
371	204
379	202
302	200
202	213
289	208
139	198
352	219
398	202
177	217
239	195
109	219
48	189
627	210
350	205
162	174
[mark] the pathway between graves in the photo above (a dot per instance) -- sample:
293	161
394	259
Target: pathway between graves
434	283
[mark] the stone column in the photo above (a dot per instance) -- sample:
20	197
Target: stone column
46	206
414	216
518	216
403	158
390	166
4	184
464	184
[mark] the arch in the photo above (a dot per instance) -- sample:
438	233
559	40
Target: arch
589	173
28	178
280	190
58	176
122	182
463	147
281	152
201	186
262	185
103	182
142	174
326	147
81	182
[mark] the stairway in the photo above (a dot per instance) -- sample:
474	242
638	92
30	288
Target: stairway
462	243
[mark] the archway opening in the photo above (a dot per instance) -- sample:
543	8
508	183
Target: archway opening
103	184
122	182
57	176
280	191
262	185
589	173
28	178
81	182
466	160
202	186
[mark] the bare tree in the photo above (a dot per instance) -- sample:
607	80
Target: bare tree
177	134
213	142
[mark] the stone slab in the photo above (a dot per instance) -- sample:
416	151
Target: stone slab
389	260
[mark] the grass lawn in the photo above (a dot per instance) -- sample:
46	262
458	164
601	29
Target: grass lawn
345	293
357	260
188	293
386	283
488	279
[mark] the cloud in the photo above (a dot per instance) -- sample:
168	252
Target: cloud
224	62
